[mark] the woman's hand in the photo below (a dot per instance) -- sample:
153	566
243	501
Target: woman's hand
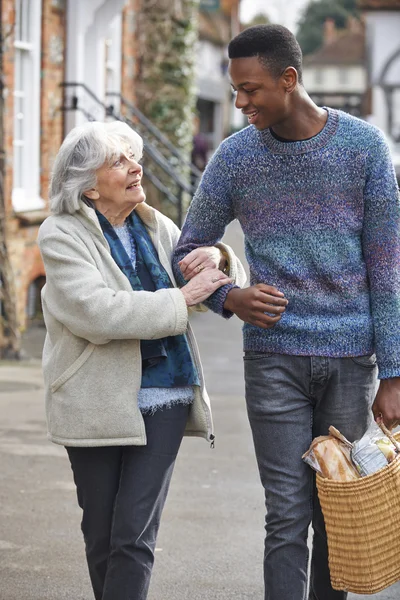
199	259
203	285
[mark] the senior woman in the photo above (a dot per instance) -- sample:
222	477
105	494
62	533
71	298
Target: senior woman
122	372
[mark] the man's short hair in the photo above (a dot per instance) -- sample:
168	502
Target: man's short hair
274	46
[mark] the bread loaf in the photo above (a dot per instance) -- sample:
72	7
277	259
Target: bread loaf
330	457
334	460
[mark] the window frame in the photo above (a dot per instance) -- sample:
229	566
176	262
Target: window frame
27	114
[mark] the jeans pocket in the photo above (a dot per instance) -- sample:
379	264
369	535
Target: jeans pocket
369	360
255	355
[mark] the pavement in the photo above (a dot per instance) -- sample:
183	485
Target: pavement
210	544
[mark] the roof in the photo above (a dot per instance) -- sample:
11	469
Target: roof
379	4
347	49
214	27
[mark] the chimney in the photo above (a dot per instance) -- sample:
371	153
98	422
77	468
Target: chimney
354	25
330	33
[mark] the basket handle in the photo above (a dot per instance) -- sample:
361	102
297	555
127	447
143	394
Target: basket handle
389	434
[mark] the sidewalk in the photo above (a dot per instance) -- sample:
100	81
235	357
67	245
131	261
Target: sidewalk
210	545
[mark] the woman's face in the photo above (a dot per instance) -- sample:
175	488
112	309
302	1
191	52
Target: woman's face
119	185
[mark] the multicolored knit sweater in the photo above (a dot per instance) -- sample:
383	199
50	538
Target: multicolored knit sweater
321	220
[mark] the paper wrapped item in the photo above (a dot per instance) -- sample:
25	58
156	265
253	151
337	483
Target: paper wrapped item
330	456
373	451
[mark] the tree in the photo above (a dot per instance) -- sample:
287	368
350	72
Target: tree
258	19
167	32
311	25
9	331
165	83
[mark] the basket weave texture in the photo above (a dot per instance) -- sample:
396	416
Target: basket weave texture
362	519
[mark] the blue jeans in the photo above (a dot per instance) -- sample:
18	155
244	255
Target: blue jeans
290	400
122	491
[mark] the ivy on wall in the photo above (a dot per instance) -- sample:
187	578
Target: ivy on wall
167	36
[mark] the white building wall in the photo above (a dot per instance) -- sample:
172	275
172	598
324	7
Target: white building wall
333	79
383	39
88	28
114	62
209	61
213	85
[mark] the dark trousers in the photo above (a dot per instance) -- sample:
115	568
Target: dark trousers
291	400
122	491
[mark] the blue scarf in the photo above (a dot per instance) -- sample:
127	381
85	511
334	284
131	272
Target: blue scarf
166	362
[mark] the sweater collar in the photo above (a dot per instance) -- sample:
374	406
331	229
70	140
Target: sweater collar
303	146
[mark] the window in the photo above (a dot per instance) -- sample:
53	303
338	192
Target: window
343	76
26	167
319	76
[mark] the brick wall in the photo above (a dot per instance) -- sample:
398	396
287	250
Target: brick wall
53	61
8	17
22	229
129	50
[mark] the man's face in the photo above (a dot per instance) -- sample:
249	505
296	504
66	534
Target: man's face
261	97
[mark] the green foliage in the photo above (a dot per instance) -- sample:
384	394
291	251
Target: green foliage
166	92
258	19
166	83
311	25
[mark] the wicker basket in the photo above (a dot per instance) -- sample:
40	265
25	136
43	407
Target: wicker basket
362	519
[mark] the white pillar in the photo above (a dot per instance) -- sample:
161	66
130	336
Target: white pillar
114	61
87	24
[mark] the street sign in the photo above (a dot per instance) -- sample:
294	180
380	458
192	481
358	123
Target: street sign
210	5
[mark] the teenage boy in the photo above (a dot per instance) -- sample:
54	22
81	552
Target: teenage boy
315	193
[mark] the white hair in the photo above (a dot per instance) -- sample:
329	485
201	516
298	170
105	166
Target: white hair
84	150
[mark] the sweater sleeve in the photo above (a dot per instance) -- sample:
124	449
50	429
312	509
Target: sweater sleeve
78	297
381	247
210	212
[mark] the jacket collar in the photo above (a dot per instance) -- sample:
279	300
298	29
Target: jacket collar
87	216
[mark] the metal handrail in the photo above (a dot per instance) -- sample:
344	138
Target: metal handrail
175	200
156	132
149	148
109	111
159	158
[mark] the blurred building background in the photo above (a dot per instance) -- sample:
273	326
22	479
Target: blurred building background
336	74
162	67
216	28
382	24
68	61
352	60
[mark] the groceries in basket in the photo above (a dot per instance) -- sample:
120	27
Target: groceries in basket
330	456
373	451
334	457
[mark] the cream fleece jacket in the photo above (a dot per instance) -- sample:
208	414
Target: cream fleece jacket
95	321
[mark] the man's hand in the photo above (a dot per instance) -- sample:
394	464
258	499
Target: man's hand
261	305
199	259
386	406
